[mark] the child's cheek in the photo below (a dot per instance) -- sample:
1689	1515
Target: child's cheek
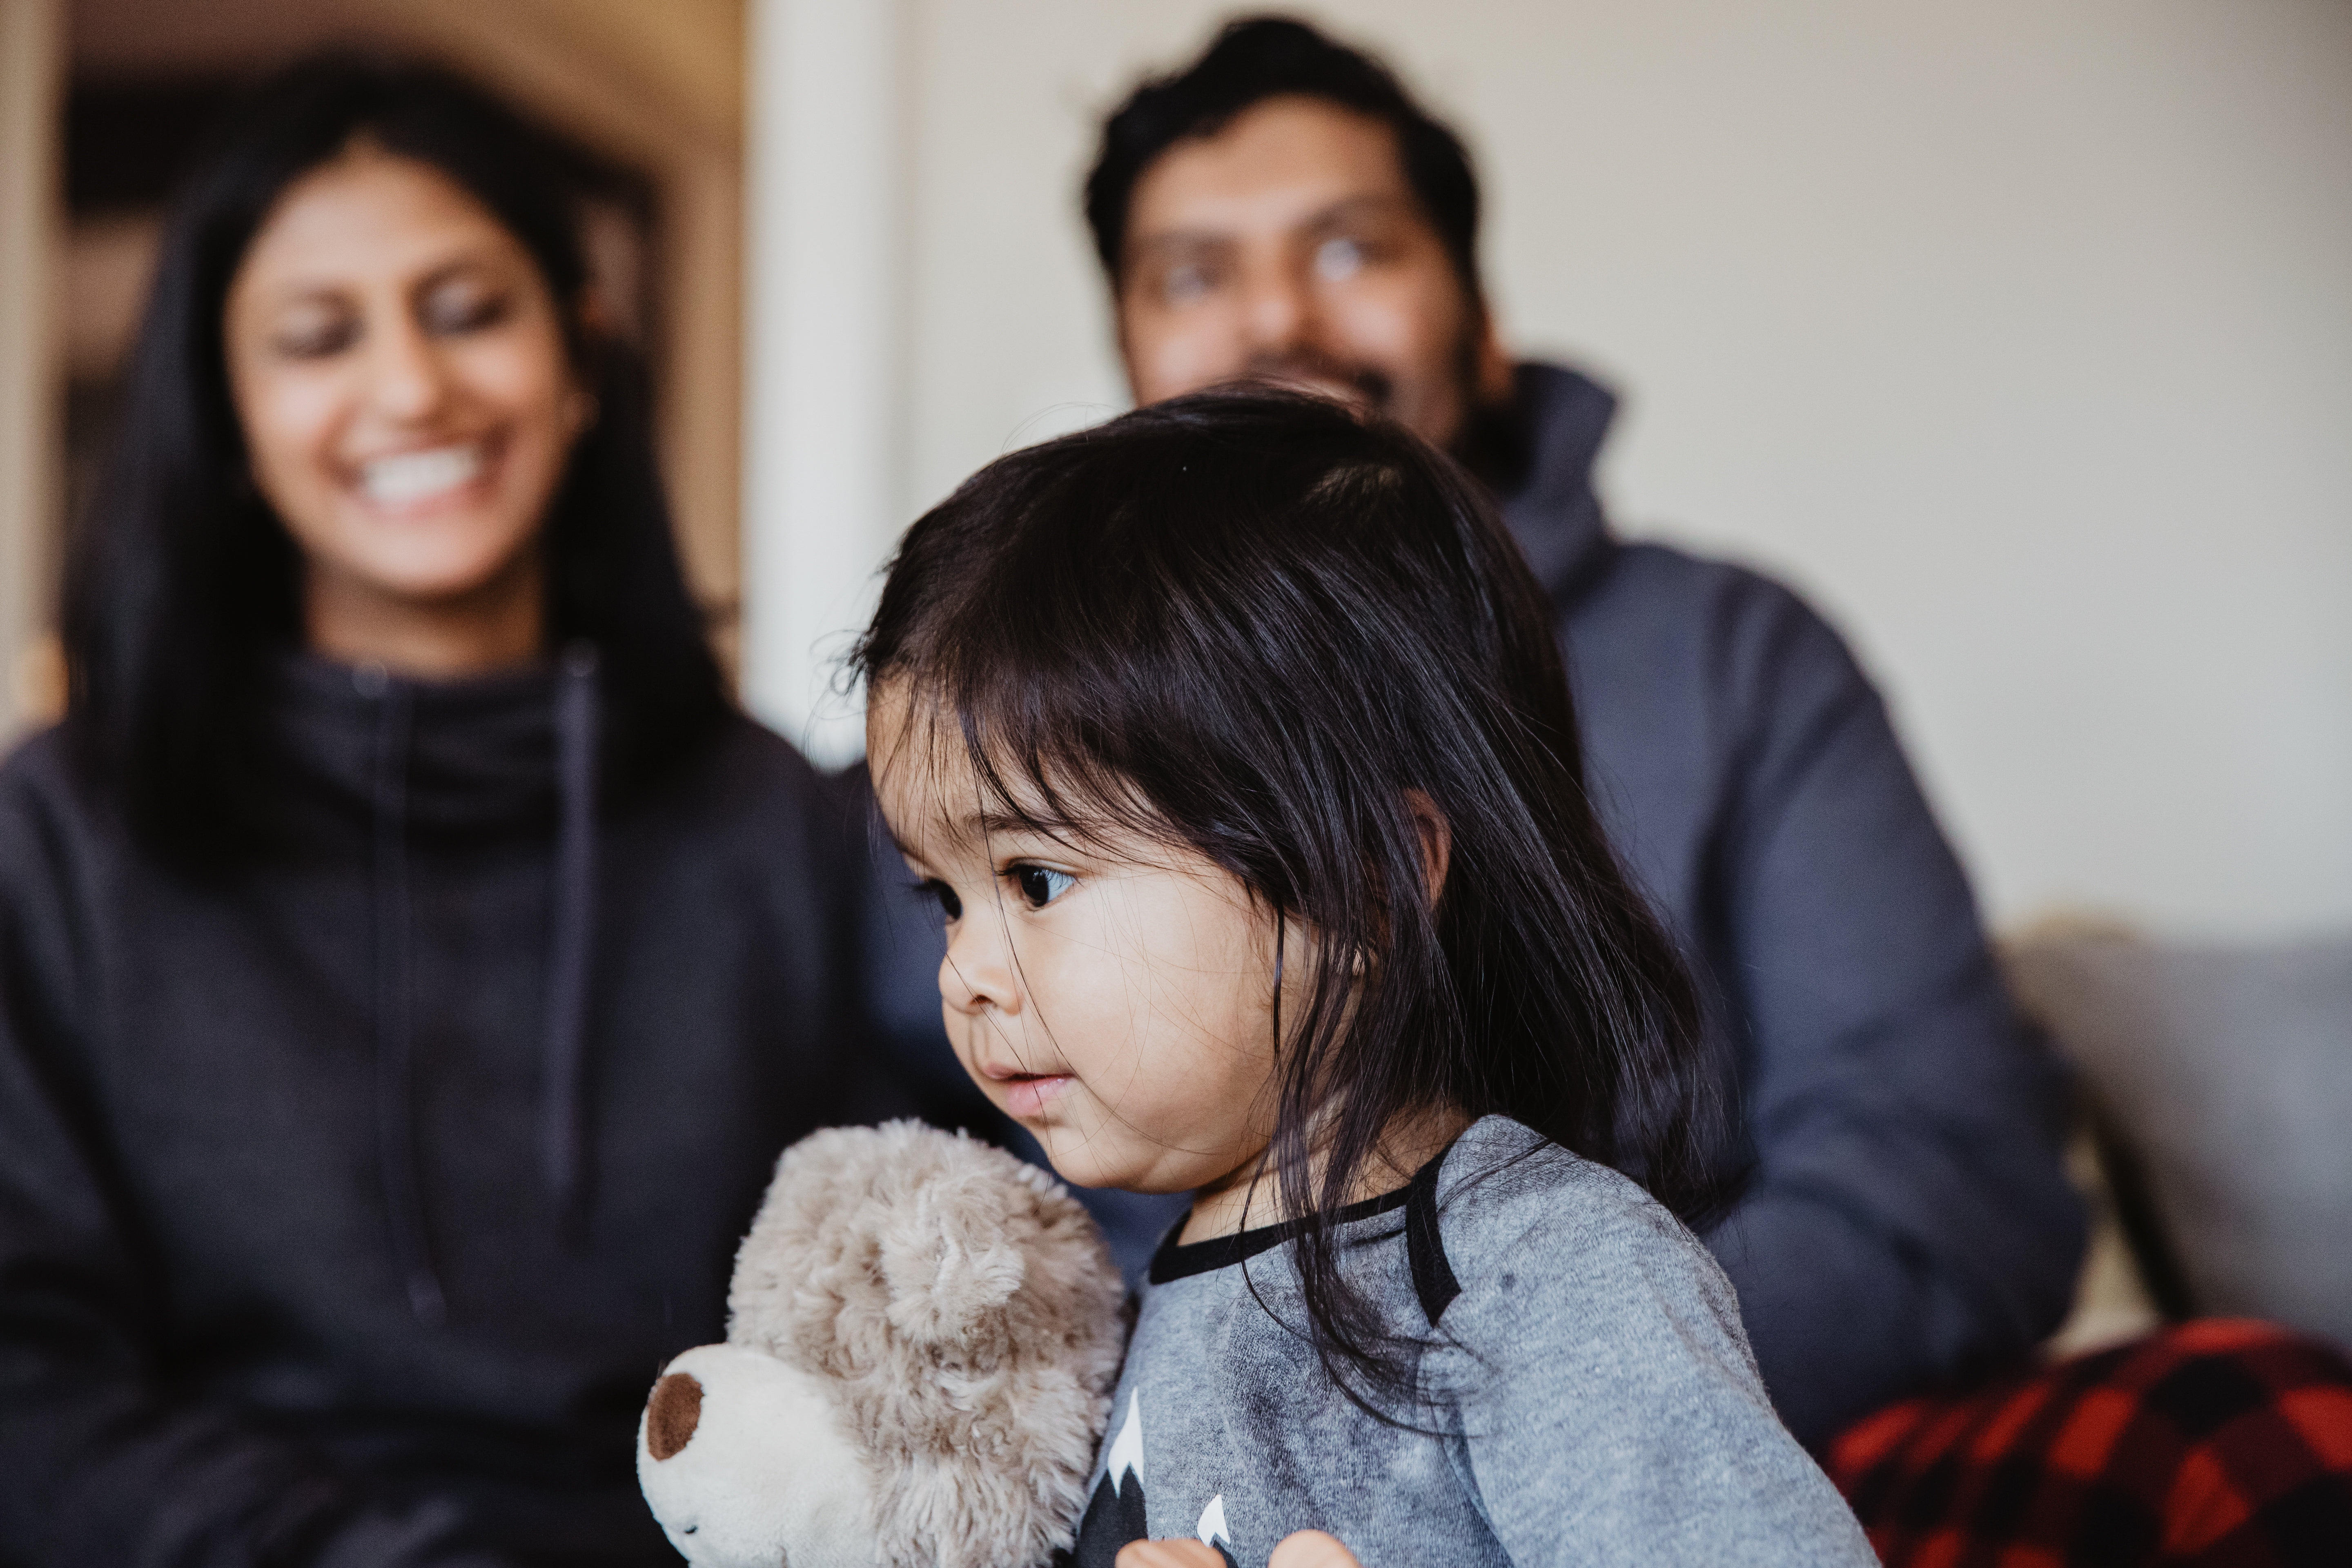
959	1031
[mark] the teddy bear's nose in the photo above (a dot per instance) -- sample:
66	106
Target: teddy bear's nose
673	1413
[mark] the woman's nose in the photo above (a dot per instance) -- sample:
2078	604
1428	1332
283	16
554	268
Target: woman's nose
406	381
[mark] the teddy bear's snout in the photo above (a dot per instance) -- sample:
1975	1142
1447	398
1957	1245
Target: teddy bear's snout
673	1413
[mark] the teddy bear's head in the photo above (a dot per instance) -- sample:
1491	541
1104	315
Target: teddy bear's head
745	1461
922	1339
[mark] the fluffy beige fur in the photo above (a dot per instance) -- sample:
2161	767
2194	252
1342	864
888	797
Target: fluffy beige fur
970	1316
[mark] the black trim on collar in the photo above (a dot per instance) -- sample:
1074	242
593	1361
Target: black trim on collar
1432	1275
1176	1260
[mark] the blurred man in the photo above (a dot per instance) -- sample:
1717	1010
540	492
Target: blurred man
1281	208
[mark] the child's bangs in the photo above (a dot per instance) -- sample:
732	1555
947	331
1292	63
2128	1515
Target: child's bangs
1036	745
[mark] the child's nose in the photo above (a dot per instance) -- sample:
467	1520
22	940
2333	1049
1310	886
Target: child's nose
977	974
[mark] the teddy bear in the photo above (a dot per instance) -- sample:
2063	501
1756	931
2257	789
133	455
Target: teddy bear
923	1333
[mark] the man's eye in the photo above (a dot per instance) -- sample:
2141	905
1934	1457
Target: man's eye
1039	885
1187	282
1336	260
950	905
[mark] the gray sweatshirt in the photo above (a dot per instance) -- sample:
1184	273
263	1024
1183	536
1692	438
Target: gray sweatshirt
1592	1396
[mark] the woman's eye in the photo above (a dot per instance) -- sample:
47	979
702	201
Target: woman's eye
463	311
950	905
316	337
1039	885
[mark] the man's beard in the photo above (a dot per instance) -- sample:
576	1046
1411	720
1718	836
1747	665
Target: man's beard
1492	442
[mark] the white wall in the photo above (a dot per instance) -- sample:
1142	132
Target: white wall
822	414
2019	335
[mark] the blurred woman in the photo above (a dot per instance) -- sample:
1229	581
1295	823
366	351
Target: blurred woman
411	962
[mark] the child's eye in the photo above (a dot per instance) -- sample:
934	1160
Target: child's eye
1039	885
950	905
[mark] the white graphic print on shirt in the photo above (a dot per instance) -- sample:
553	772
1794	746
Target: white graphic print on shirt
1115	1515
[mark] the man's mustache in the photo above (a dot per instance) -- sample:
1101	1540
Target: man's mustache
1314	371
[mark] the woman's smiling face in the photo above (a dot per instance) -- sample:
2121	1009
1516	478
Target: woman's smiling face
1115	998
399	369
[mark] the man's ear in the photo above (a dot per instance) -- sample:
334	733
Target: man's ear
1118	333
1436	841
1495	372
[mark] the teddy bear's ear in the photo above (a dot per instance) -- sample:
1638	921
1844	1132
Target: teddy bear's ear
672	1413
951	1260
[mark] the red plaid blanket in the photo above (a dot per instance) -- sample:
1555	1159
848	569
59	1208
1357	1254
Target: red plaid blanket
2222	1444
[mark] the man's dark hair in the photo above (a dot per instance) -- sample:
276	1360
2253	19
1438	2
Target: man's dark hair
1257	625
1257	58
183	584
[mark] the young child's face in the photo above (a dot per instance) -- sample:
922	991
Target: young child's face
1117	1000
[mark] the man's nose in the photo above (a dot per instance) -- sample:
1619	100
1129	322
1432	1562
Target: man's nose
1278	312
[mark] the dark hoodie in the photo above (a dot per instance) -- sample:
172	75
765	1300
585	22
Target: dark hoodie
350	1201
1908	1222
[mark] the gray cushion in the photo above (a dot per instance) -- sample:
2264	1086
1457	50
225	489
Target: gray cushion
2229	1072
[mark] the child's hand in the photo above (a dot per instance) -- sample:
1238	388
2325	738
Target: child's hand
1305	1549
1311	1548
1167	1555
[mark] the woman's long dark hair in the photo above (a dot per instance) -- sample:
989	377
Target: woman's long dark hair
182	582
1257	625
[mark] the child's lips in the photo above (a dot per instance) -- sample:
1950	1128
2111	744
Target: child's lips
1027	1095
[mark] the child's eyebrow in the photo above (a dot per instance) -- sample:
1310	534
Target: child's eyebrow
986	826
973	827
1003	825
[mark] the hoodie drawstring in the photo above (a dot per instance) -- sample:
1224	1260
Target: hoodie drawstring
562	1122
562	1125
395	1063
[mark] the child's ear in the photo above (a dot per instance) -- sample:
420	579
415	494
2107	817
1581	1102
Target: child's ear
1436	841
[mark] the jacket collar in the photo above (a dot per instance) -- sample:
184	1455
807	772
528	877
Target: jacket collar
1553	510
480	754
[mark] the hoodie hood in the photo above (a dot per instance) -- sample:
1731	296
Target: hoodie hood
1554	511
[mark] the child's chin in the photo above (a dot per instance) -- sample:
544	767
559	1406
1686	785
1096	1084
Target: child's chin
1075	1163
1084	1173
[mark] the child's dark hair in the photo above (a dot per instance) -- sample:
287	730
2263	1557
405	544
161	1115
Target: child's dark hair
1257	623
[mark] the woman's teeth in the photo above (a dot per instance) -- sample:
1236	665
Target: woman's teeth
417	476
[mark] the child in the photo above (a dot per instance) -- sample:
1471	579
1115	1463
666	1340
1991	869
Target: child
1233	741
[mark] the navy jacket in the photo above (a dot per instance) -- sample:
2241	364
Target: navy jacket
1909	1221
